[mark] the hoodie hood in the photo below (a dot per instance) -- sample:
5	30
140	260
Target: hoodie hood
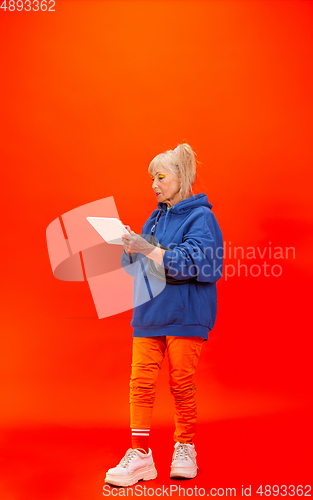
183	206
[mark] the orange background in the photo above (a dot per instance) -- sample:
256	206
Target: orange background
90	94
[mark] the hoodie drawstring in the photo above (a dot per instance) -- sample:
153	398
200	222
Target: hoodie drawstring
166	219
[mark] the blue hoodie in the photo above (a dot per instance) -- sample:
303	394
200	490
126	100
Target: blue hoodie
191	231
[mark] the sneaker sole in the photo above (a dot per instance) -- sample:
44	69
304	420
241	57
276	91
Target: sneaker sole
187	472
145	474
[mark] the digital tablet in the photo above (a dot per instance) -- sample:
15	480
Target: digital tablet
110	229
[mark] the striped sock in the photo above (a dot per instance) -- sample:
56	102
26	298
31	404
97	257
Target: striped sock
140	439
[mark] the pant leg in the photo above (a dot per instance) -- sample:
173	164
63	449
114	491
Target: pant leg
148	354
183	355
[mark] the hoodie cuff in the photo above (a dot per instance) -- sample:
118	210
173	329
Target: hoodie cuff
128	257
167	258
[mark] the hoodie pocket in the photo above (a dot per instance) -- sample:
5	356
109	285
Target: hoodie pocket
167	308
181	296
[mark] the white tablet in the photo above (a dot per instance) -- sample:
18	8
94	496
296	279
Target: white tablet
110	229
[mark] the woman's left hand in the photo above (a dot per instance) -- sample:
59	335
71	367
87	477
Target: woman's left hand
134	243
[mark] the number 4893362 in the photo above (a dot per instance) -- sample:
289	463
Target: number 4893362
27	5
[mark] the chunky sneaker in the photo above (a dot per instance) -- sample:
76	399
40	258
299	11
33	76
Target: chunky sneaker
184	461
133	467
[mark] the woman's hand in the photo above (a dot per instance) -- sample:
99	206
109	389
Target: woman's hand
133	243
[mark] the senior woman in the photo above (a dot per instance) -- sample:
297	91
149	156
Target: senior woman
184	239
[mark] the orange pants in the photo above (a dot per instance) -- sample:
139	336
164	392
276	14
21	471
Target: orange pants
183	355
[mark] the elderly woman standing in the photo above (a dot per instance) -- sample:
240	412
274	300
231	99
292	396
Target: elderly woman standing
179	318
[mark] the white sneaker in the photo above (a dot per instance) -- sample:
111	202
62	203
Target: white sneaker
184	462
133	467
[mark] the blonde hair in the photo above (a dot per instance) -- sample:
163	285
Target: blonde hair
182	162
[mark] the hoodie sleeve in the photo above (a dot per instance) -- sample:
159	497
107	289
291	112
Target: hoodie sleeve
200	254
129	263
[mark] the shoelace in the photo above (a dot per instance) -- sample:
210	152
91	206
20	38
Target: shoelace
181	452
130	454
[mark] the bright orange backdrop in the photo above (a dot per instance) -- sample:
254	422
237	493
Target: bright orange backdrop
90	94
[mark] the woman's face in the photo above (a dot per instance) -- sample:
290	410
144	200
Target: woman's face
166	186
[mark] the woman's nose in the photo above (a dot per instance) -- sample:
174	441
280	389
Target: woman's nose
154	184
